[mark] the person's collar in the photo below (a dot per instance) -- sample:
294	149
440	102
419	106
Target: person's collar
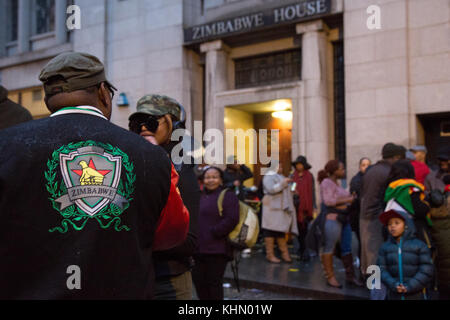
80	109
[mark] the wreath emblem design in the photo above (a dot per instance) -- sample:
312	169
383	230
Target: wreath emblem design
90	186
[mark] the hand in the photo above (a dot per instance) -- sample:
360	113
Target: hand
237	183
351	199
401	289
287	180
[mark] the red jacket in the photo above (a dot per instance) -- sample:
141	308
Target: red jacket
173	224
421	171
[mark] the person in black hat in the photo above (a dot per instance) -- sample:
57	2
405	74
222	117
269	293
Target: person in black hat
11	113
372	203
304	199
80	193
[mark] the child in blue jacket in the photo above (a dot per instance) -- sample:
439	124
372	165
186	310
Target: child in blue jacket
405	261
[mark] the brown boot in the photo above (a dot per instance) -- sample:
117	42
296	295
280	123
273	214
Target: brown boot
327	261
350	276
270	256
282	245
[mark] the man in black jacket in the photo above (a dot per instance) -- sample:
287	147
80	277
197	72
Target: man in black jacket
156	119
372	203
83	202
11	113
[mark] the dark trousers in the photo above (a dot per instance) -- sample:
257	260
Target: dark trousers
302	232
208	275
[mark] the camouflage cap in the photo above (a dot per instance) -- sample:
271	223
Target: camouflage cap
71	71
158	105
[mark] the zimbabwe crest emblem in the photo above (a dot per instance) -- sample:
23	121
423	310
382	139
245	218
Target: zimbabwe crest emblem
91	186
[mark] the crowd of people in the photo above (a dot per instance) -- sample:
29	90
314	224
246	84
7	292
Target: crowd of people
163	228
397	210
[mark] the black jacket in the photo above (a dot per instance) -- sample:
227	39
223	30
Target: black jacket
372	190
44	231
229	176
10	112
179	259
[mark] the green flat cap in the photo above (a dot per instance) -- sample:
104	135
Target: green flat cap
71	71
158	105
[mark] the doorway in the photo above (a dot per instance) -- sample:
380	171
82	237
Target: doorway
270	115
437	134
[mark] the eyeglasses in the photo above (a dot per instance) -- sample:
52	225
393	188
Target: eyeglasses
150	122
110	89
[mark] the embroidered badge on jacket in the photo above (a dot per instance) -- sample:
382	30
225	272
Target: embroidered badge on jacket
91	187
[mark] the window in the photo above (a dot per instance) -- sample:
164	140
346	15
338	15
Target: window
12	9
32	99
272	68
208	4
43	16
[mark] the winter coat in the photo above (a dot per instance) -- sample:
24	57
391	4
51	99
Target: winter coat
441	237
278	213
10	112
212	228
372	205
415	271
434	181
179	259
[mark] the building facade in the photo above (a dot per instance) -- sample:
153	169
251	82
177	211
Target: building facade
313	69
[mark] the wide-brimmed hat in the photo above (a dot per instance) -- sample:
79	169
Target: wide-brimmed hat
303	161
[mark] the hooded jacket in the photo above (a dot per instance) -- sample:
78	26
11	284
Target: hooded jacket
407	262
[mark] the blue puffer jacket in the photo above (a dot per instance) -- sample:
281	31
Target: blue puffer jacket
416	268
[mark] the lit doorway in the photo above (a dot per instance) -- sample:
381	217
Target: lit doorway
270	115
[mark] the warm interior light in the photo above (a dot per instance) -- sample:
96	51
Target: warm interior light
284	115
282	105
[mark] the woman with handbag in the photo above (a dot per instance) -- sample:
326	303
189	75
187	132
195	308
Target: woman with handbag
213	251
336	201
278	214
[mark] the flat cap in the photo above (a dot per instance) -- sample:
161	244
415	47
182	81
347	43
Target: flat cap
419	148
71	71
158	105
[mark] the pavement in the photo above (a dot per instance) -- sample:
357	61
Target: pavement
303	279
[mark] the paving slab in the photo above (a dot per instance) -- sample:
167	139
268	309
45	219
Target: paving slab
302	278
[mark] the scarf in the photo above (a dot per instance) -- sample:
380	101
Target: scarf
304	190
401	191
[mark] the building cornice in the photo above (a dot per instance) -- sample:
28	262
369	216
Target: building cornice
33	56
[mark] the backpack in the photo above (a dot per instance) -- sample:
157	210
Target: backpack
245	234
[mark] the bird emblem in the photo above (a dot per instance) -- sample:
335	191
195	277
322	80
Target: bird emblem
89	175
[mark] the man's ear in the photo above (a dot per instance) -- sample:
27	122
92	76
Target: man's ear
169	122
104	97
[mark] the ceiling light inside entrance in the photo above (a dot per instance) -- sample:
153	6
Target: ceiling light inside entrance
284	115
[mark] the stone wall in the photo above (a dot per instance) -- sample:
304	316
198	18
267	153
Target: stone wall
393	73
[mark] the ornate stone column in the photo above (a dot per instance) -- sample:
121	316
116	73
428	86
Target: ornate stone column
216	80
314	116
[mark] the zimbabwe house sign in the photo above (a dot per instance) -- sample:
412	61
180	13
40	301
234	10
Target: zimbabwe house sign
295	12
